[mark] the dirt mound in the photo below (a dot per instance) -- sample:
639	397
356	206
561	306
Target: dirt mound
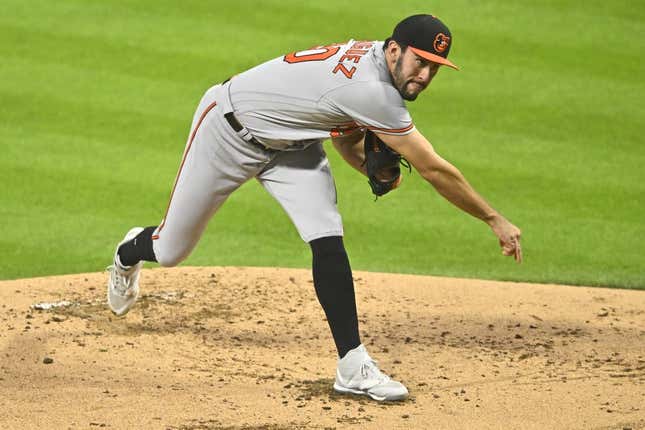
249	348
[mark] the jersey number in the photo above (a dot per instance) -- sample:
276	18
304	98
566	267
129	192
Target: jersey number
315	54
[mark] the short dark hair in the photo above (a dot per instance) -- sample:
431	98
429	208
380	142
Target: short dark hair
389	39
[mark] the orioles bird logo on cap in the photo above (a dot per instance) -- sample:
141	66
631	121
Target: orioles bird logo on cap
441	42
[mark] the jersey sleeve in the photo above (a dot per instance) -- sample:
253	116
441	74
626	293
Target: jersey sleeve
374	105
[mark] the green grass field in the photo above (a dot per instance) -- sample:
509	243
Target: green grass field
545	119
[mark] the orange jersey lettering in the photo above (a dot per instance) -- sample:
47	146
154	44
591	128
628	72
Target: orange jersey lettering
341	67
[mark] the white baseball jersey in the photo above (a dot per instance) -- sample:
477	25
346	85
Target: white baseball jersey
305	97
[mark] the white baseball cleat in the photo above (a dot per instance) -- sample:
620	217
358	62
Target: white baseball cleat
357	373
123	283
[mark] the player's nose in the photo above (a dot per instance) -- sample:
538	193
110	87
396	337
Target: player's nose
425	75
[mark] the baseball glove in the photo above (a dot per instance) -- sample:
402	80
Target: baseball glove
382	165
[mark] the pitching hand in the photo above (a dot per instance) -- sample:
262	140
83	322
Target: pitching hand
509	237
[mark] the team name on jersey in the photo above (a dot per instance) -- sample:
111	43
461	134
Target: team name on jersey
353	54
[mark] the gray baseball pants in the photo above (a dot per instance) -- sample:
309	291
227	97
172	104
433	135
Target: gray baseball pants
217	161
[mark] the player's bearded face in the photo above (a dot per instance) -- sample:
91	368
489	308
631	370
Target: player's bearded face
412	74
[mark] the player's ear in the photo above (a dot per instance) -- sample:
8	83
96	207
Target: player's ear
392	50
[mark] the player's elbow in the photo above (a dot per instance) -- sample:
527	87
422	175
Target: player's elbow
431	174
438	171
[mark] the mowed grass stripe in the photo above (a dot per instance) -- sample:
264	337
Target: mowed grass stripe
547	130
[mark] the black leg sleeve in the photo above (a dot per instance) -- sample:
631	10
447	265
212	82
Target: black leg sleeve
335	290
137	249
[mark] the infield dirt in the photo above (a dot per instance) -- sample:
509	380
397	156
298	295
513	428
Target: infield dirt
249	348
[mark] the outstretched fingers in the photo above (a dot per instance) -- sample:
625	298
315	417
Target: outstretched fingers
512	247
518	250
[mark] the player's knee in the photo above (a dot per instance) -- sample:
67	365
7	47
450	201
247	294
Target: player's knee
170	260
169	257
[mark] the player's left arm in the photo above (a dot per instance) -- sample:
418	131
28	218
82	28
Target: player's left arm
350	147
452	185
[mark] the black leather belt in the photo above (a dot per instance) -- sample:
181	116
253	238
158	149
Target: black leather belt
244	133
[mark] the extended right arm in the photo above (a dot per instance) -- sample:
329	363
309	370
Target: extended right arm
452	185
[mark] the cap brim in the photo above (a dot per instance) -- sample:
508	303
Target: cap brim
433	57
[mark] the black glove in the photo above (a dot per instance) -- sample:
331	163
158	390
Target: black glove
382	165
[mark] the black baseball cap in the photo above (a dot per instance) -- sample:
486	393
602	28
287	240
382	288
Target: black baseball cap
426	36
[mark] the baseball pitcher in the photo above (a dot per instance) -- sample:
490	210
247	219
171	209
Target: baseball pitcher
269	123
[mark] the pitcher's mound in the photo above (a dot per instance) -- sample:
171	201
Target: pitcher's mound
249	348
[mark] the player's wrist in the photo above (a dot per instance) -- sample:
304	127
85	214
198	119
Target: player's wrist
493	219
